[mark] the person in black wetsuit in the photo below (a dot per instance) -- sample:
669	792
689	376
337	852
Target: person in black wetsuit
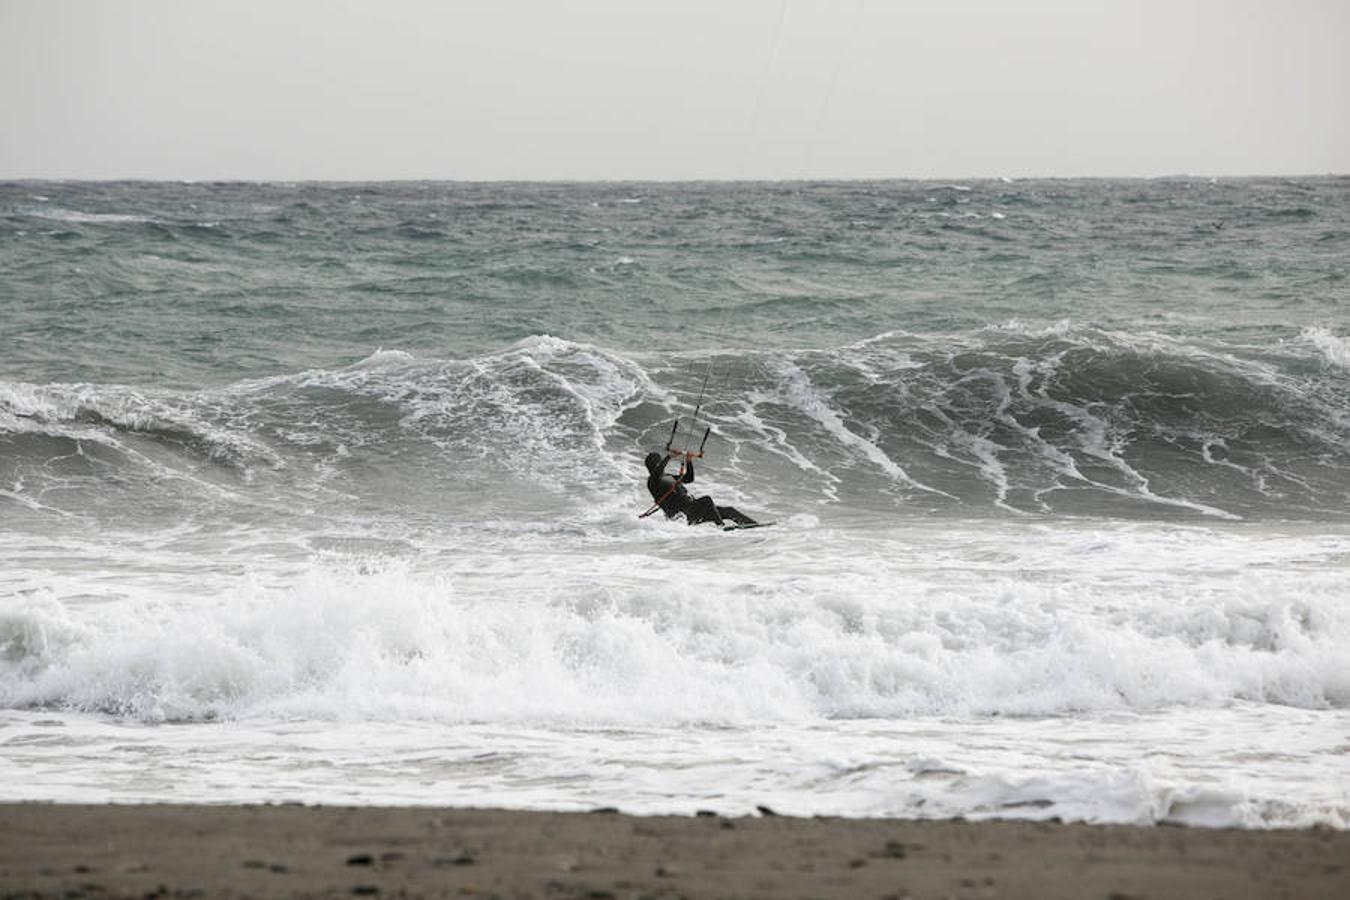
669	493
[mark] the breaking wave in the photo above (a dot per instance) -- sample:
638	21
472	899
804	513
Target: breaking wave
608	646
1060	421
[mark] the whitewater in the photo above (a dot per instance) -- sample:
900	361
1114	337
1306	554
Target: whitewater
330	492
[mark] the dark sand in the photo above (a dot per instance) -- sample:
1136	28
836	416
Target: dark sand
294	851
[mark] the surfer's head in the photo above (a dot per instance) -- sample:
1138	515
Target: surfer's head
653	461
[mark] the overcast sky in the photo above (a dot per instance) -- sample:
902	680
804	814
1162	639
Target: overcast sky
631	89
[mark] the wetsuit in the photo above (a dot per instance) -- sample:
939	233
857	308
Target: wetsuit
669	493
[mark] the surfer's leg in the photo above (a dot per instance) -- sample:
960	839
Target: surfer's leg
735	515
702	510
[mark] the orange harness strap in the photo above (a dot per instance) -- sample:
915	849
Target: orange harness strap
657	504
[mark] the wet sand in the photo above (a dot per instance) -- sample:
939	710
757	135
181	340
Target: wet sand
296	851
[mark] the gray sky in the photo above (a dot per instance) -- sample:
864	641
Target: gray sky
631	89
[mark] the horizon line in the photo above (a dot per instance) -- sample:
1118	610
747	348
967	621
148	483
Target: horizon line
1006	179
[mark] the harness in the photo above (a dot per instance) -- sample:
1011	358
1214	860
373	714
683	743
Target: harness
684	455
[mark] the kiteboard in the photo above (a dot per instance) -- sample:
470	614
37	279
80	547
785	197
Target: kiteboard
744	527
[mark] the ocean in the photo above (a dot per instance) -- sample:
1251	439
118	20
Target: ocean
330	493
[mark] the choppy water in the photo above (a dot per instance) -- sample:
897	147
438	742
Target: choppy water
330	492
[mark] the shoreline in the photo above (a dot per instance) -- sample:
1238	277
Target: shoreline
106	850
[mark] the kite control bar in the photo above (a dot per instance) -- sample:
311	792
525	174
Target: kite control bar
686	454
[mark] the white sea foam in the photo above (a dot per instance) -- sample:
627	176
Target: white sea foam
627	638
1060	328
383	359
1335	348
77	217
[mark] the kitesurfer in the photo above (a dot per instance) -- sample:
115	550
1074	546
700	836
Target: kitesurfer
668	492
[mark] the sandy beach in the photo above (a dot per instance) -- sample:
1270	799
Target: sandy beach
296	851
